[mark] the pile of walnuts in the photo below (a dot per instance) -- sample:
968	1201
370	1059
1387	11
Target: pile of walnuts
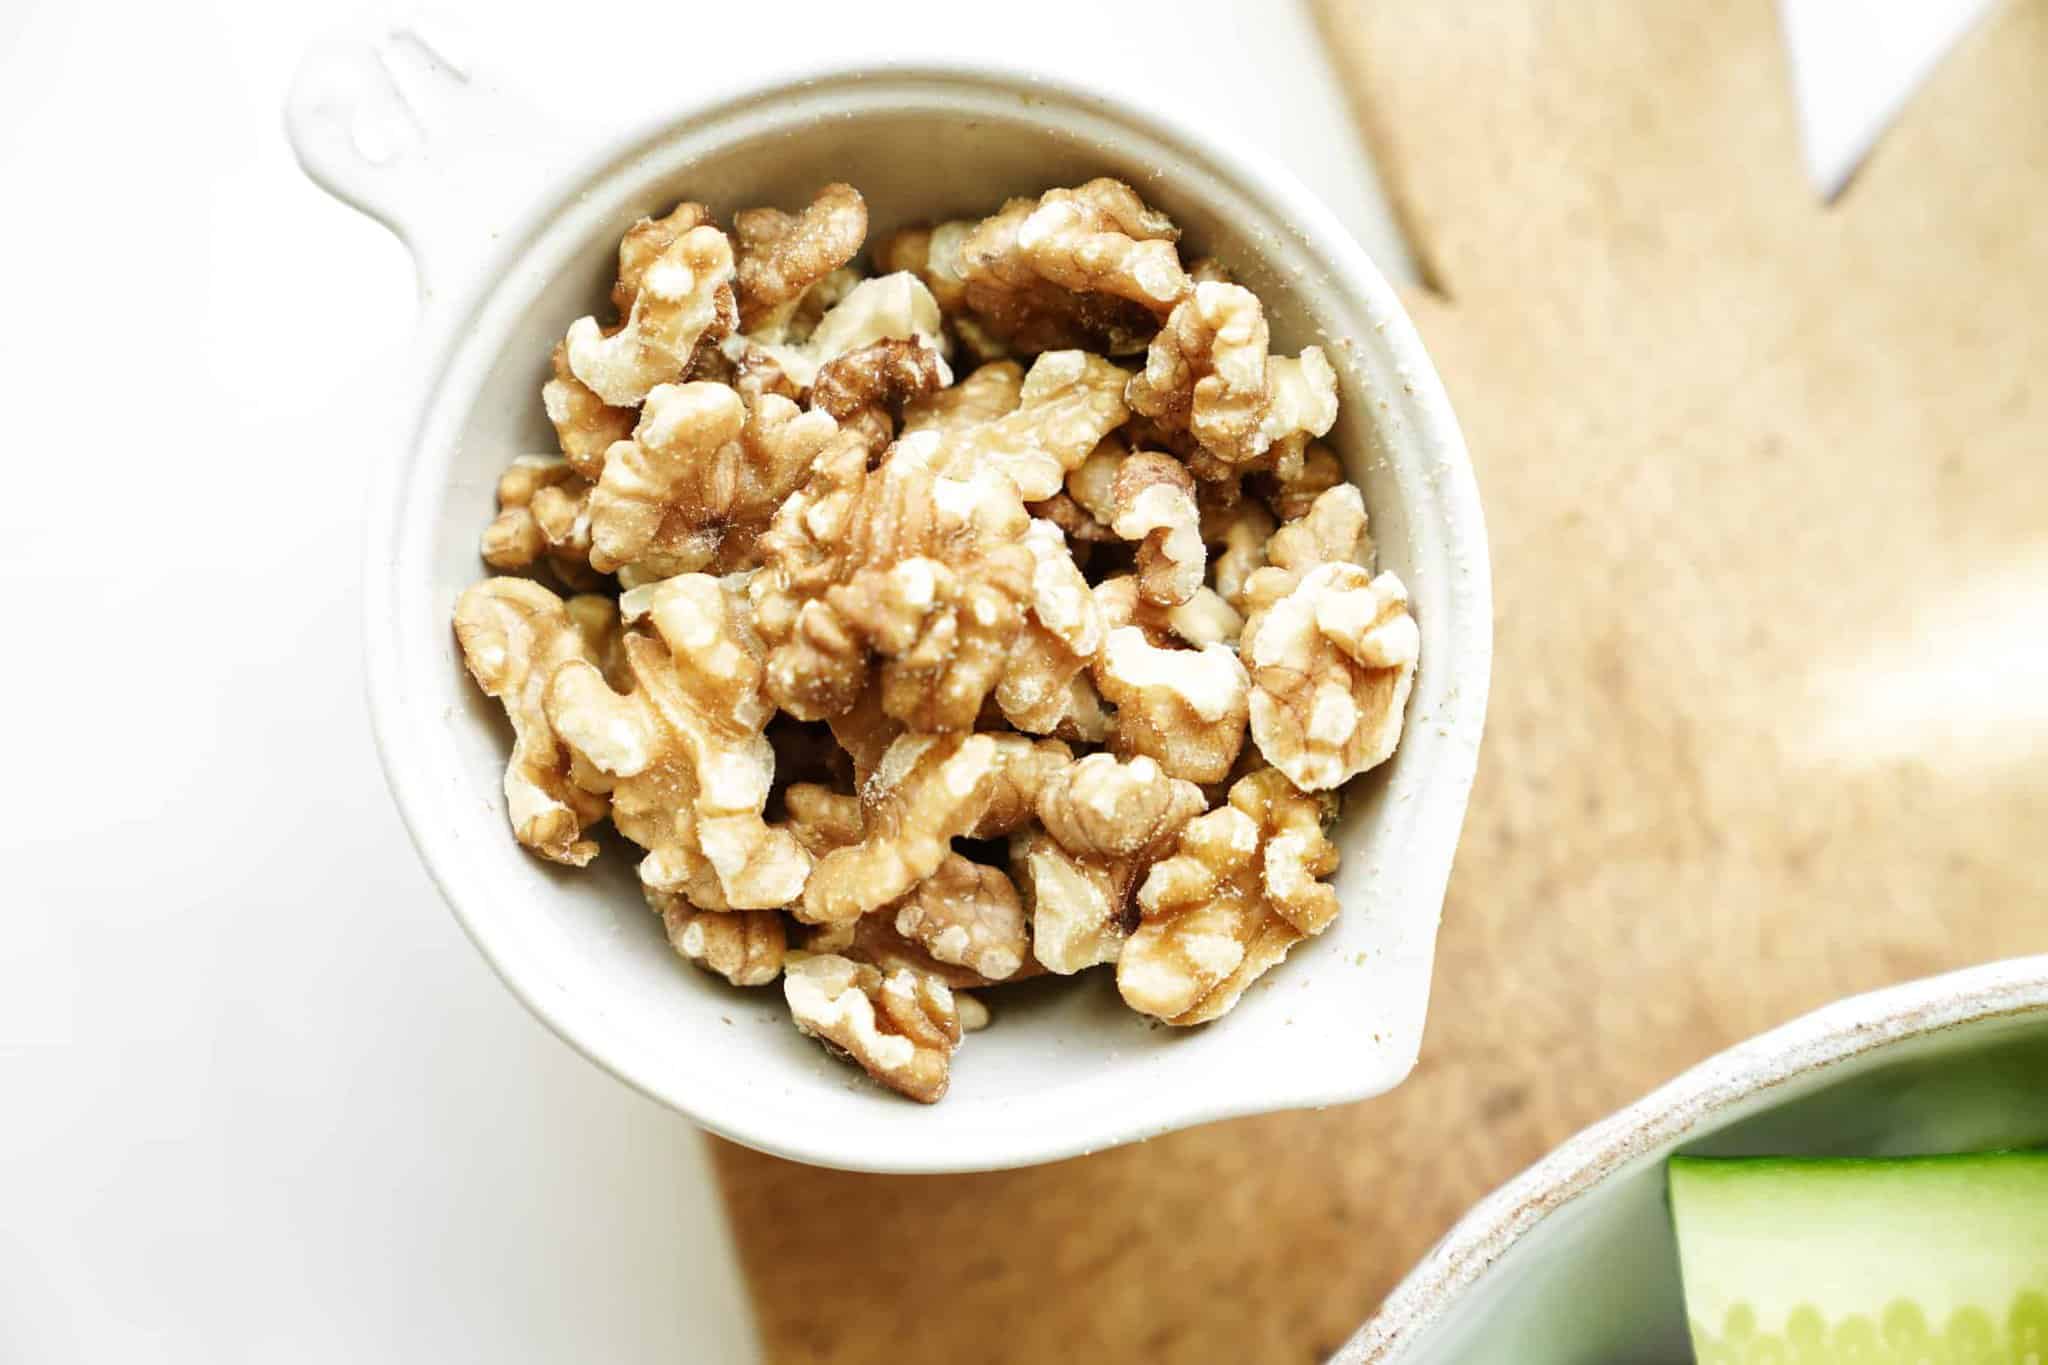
920	620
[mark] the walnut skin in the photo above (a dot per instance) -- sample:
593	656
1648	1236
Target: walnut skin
780	256
900	1027
515	635
1245	884
684	299
690	765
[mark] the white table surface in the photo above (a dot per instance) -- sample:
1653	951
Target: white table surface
259	1100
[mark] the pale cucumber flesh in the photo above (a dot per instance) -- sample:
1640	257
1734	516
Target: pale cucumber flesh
1916	1260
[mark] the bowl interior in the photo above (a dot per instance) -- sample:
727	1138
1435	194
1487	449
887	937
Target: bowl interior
1596	1282
1066	1068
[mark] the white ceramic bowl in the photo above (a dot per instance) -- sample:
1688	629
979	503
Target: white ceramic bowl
515	235
1573	1262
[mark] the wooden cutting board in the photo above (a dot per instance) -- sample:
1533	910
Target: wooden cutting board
1768	487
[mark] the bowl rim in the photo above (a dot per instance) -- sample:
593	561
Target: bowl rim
1681	1109
1352	272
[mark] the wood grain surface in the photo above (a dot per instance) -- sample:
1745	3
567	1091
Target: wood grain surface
1768	487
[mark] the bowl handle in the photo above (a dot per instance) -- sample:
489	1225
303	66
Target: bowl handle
395	119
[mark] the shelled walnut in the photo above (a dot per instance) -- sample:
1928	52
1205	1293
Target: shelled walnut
910	682
1245	884
1102	822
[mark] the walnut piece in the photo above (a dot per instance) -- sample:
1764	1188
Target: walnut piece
585	425
515	635
1332	650
1153	500
932	253
1241	528
989	392
1184	707
745	947
690	765
1332	663
923	571
927	791
1332	531
901	1027
543	514
604	638
646	242
865	731
1069	401
1091	487
780	256
1103	822
974	1016
869	385
700	478
874	940
1208	372
888	306
1091	266
684	298
1290	490
1244	885
821	819
1063	630
1204	619
1022	767
967	915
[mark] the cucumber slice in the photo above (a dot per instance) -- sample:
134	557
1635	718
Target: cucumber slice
1941	1259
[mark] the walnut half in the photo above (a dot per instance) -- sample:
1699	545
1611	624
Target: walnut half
1331	648
515	637
1103	822
901	1027
1245	885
